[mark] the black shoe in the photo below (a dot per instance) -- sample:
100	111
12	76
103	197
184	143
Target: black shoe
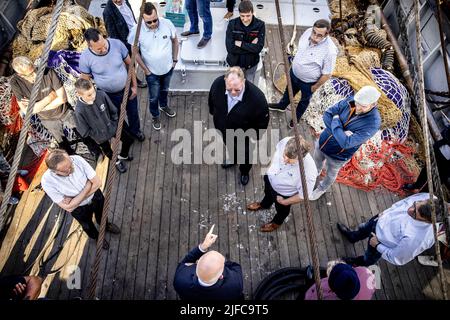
202	43
291	124
409	187
188	33
227	165
275	107
112	228
244	179
139	136
169	112
129	158
121	167
156	123
105	245
346	232
354	261
141	84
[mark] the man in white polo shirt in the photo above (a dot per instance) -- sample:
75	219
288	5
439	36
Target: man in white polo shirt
282	183
312	66
73	185
158	46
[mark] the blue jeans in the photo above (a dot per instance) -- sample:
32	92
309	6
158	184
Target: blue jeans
332	167
158	89
371	256
297	85
200	8
132	110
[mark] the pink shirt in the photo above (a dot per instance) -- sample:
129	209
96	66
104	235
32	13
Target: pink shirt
366	280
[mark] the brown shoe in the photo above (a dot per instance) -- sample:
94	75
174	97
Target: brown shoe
269	227
228	15
255	206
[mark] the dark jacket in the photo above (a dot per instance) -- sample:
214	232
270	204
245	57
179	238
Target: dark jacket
333	140
251	113
186	284
247	55
99	120
115	23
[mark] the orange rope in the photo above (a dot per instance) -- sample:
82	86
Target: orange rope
389	170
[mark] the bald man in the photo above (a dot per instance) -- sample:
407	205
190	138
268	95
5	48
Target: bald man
205	275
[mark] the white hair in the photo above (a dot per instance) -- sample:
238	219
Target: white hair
21	63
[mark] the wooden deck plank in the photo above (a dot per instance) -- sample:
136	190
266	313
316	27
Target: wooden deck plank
167	210
156	211
146	178
176	214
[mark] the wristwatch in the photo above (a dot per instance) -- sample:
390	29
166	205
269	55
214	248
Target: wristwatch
175	60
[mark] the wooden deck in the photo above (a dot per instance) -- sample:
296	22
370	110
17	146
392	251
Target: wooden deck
164	210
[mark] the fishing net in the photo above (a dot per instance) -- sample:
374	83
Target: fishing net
72	23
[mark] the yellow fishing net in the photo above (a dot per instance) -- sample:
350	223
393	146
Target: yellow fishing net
34	28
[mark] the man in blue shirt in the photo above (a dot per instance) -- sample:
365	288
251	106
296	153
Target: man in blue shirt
107	61
348	125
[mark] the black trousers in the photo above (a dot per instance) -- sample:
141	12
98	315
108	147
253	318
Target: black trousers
127	140
443	169
83	214
230	5
270	197
245	167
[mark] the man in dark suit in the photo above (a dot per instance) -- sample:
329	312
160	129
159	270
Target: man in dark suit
203	275
119	19
237	104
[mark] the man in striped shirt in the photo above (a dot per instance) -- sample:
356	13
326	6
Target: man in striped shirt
312	66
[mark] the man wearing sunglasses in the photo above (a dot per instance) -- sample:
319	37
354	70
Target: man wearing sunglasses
158	55
398	234
312	66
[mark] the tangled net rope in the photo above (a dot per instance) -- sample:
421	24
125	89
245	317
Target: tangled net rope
74	20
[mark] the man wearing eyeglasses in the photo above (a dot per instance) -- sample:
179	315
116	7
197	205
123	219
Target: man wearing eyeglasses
398	234
237	105
74	186
158	55
312	66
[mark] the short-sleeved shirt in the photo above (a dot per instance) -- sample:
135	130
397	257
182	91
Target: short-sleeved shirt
156	46
366	282
312	61
50	82
285	178
109	70
57	187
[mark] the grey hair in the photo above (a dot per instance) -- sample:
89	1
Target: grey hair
291	148
21	63
332	263
237	71
55	157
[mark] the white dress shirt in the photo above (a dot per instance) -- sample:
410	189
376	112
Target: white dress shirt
126	13
232	101
314	60
285	178
401	237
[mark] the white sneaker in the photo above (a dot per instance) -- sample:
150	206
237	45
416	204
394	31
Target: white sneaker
316	194
427	261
